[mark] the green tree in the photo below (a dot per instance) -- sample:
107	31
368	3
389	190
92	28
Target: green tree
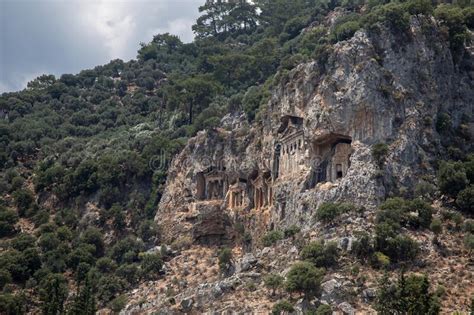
320	254
282	307
8	218
303	277
273	282
53	294
151	265
452	178
84	303
465	199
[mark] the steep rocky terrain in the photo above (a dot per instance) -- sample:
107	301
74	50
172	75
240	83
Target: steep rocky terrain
374	88
299	156
369	91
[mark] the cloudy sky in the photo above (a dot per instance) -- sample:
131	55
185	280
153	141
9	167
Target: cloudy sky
66	36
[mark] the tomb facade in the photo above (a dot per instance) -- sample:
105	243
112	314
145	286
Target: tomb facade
290	149
262	191
237	195
211	185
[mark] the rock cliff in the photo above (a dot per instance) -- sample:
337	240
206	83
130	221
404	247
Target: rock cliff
315	140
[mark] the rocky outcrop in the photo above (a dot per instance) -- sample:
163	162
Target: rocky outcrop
314	142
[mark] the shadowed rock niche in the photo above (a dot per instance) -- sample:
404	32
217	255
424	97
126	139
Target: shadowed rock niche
330	158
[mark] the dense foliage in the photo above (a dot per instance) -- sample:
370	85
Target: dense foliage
83	156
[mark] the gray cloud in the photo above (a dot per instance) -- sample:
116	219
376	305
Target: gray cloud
66	36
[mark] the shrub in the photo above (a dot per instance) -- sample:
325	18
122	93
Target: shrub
13	304
379	153
291	231
128	272
117	304
469	226
469	242
345	30
182	243
272	237
380	260
324	309
93	236
8	219
23	200
148	230
5	277
225	259
452	178
363	247
273	282
465	199
328	212
305	278
414	291
320	254
437	227
109	287
424	213
106	265
53	294
151	265
443	123
282	307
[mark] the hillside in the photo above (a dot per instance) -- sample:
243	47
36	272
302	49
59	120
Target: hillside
299	156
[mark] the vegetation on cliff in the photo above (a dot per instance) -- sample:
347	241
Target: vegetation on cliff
84	157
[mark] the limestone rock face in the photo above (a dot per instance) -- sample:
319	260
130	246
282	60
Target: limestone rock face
314	143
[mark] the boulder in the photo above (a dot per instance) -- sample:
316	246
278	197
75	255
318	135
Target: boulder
187	304
346	308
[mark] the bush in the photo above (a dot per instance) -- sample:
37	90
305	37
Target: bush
8	219
128	272
5	278
363	247
379	153
106	265
109	287
414	291
117	304
13	304
272	237
437	227
282	307
469	226
328	212
303	277
345	30
443	123
320	254
53	294
151	265
291	231
225	259
324	309
23	200
273	282
469	242
465	199
380	260
452	178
